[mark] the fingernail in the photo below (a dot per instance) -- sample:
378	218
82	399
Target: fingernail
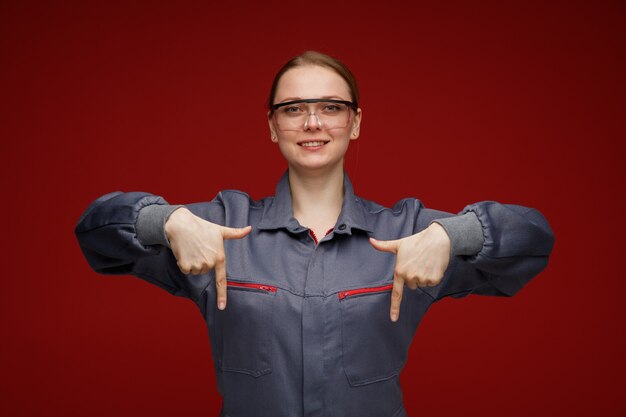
221	305
394	317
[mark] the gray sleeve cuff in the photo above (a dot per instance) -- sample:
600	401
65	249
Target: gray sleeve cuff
150	224
465	232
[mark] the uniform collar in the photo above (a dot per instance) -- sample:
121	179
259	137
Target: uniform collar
279	212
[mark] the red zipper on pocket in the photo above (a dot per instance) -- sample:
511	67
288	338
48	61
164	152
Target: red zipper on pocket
249	285
344	294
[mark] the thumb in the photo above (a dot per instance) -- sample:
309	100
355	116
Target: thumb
235	232
385	245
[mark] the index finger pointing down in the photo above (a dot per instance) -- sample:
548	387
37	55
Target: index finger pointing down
220	283
396	296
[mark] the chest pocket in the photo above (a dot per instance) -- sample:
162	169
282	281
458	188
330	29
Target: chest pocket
374	347
245	328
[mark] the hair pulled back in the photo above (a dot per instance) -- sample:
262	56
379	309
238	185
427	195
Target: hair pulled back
322	60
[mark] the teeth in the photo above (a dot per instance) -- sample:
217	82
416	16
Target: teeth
319	143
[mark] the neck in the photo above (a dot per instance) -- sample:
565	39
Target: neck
318	196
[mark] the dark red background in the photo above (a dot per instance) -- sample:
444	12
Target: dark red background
518	102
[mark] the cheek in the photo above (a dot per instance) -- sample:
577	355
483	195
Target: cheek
342	142
344	137
285	139
286	145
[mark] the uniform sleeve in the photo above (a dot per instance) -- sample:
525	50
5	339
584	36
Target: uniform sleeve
496	249
122	233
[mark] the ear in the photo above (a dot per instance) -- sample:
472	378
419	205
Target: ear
270	122
356	125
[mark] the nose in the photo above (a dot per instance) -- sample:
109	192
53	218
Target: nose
316	123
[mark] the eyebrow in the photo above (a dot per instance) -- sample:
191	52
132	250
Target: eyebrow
300	98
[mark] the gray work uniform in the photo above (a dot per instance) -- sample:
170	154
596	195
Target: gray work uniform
306	330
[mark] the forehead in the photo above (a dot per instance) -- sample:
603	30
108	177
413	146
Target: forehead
311	82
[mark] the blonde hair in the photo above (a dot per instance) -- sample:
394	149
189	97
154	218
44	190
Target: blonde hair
322	60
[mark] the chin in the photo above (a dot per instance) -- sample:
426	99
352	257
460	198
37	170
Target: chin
315	165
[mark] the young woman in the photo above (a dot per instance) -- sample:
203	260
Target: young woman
307	313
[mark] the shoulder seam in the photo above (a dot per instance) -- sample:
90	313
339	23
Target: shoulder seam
236	192
404	202
253	203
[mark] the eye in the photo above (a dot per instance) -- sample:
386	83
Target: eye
332	108
292	109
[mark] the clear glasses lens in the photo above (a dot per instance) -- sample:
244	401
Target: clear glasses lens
325	115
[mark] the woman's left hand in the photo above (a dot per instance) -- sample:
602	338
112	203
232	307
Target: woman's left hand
421	261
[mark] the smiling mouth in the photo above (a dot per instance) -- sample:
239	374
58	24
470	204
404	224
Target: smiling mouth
313	143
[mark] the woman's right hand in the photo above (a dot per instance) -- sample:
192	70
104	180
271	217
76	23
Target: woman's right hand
198	246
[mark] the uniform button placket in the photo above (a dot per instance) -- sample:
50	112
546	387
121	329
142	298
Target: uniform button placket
313	310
